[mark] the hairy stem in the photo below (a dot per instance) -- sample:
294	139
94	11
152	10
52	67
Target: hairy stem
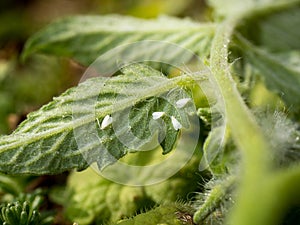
246	133
214	199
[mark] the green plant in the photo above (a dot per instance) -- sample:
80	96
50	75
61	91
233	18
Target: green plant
252	50
24	210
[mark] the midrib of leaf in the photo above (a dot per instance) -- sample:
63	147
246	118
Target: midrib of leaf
37	133
160	88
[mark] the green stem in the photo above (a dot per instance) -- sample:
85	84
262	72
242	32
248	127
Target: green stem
259	187
214	199
245	131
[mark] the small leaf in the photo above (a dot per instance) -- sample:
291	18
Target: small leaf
85	38
65	134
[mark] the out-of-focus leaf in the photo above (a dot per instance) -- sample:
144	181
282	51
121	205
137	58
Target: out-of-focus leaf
4	69
85	38
95	198
5	98
24	88
10	185
179	186
280	75
219	158
274	31
154	8
6	107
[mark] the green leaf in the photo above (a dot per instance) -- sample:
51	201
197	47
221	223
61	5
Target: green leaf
175	214
96	199
24	210
280	75
4	70
220	155
276	60
10	185
178	187
85	38
67	134
212	149
274	31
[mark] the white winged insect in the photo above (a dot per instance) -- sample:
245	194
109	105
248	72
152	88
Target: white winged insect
175	123
157	115
105	122
182	102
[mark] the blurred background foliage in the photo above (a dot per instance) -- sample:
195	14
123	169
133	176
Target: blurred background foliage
25	86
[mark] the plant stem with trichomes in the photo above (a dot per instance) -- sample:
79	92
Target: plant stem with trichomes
246	133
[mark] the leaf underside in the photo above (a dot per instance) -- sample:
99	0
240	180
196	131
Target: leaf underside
66	133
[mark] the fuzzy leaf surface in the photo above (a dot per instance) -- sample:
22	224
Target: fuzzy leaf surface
45	143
